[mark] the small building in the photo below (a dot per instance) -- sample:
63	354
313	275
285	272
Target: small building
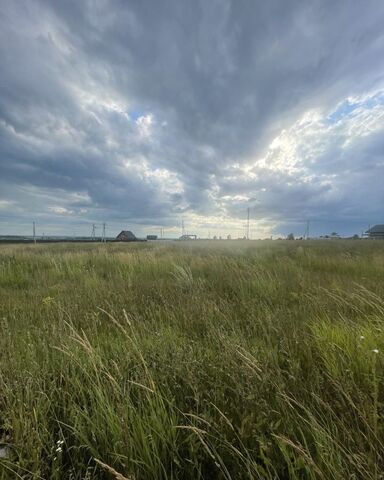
126	236
376	232
151	237
188	237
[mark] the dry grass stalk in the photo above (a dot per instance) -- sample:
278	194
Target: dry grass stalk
112	471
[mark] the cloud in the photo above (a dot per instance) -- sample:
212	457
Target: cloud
318	169
60	210
140	113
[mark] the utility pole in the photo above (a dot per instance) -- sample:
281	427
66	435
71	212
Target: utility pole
103	237
182	227
306	236
34	233
93	231
248	223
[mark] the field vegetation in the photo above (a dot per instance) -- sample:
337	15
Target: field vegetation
195	360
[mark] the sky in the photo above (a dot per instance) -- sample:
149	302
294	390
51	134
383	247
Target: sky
143	114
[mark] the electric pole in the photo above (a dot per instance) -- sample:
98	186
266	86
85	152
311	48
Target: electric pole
103	238
34	233
248	223
306	236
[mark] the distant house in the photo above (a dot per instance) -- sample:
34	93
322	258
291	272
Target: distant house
188	237
126	236
151	237
377	232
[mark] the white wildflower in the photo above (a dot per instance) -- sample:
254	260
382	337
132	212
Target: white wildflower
375	350
4	452
362	337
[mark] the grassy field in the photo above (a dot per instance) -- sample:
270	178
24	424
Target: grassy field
216	360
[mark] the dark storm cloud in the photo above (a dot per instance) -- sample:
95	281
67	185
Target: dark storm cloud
143	111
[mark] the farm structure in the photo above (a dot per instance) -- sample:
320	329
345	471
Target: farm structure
376	232
126	236
188	237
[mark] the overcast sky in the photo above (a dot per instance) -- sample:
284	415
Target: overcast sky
140	113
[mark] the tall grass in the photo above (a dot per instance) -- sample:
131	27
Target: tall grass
248	360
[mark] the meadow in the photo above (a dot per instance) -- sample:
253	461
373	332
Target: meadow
195	360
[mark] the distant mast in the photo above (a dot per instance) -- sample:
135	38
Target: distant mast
306	235
103	237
